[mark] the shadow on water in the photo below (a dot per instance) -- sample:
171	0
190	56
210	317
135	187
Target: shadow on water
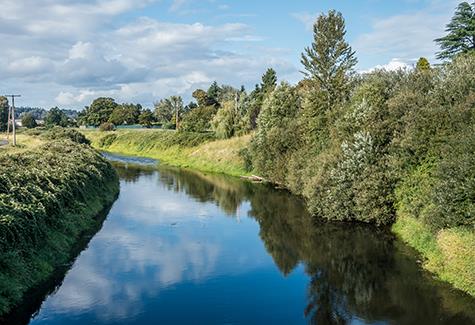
35	297
356	273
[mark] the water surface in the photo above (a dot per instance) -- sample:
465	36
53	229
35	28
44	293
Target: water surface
181	247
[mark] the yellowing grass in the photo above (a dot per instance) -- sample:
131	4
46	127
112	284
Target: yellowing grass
450	253
199	152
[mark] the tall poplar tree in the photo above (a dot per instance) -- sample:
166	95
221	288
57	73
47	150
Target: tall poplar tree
330	60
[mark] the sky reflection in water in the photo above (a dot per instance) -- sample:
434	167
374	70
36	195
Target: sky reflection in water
186	247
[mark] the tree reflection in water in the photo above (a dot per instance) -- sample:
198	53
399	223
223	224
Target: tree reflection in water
356	272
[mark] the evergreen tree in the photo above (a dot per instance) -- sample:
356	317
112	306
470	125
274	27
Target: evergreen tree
423	65
214	91
461	33
330	60
269	80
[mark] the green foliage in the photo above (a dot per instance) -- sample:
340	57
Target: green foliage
59	133
3	113
56	117
460	36
330	60
125	114
224	122
198	119
48	197
276	137
106	126
99	112
269	81
28	121
146	118
422	65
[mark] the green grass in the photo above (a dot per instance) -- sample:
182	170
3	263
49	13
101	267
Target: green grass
49	196
182	149
448	253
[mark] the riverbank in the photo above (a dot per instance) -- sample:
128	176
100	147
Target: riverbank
447	253
50	194
198	151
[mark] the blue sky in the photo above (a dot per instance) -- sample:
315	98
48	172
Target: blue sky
143	50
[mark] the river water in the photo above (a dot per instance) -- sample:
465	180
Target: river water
183	247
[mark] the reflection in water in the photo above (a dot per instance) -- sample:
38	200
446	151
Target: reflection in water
167	254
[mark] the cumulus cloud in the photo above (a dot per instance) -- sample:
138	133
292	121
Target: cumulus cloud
81	50
406	36
393	65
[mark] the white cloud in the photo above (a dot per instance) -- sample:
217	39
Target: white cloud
393	65
80	51
406	36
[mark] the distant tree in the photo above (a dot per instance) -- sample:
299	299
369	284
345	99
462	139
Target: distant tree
3	113
423	65
330	60
224	122
56	117
146	118
28	121
214	91
164	110
201	97
461	33
177	106
99	111
198	119
125	114
269	80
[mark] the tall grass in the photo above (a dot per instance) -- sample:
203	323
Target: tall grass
182	149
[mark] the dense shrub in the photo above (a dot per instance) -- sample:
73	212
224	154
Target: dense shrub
58	133
411	130
106	126
48	196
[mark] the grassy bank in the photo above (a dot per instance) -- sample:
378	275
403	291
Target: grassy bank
448	253
49	195
184	149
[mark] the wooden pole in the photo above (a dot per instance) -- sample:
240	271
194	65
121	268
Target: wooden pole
13	121
11	118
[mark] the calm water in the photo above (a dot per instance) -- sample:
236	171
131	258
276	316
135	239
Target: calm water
182	247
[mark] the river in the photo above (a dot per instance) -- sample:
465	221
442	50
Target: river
184	247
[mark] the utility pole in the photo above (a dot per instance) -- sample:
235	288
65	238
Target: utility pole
11	118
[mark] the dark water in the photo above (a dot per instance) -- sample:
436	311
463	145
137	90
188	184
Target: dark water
182	247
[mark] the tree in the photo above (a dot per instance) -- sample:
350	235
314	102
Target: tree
99	111
422	65
269	81
224	122
177	106
125	114
214	91
164	110
28	121
330	60
3	113
461	32
146	118
56	117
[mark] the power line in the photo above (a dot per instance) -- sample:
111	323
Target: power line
11	118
